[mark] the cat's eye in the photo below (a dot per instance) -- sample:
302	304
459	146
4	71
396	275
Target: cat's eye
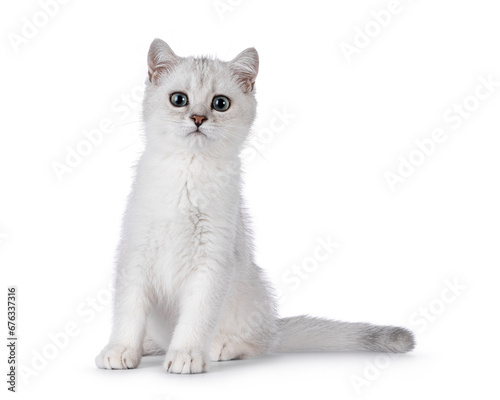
220	103
179	99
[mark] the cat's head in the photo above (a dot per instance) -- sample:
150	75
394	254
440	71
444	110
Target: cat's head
199	104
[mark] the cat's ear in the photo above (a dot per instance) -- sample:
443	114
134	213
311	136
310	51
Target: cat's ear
161	59
245	67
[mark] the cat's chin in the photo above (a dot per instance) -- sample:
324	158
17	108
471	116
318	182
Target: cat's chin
197	140
197	137
197	133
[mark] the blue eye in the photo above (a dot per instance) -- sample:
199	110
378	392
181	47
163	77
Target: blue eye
179	99
220	103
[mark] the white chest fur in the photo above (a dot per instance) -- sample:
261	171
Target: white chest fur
181	209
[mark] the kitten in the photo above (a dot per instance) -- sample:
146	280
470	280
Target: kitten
186	282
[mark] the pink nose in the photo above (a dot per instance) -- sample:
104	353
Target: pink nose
198	119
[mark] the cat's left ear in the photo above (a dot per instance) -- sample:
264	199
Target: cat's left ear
161	59
245	67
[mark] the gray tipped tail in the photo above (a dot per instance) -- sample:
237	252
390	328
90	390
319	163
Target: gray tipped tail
304	333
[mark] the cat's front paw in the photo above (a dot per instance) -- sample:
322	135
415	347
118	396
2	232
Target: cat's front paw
118	357
186	362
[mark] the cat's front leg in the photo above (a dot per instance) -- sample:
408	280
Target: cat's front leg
131	306
200	308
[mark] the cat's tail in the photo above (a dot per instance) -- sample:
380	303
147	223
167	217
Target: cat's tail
304	333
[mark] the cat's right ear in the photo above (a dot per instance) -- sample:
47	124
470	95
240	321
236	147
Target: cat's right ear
161	59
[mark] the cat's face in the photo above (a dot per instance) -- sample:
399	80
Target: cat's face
199	104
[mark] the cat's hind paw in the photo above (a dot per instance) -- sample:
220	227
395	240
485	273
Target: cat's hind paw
186	362
232	351
118	357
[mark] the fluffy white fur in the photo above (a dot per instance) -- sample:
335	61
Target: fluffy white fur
186	282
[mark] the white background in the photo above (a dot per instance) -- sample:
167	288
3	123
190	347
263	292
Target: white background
320	176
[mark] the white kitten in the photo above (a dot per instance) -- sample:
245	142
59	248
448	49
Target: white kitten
186	282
